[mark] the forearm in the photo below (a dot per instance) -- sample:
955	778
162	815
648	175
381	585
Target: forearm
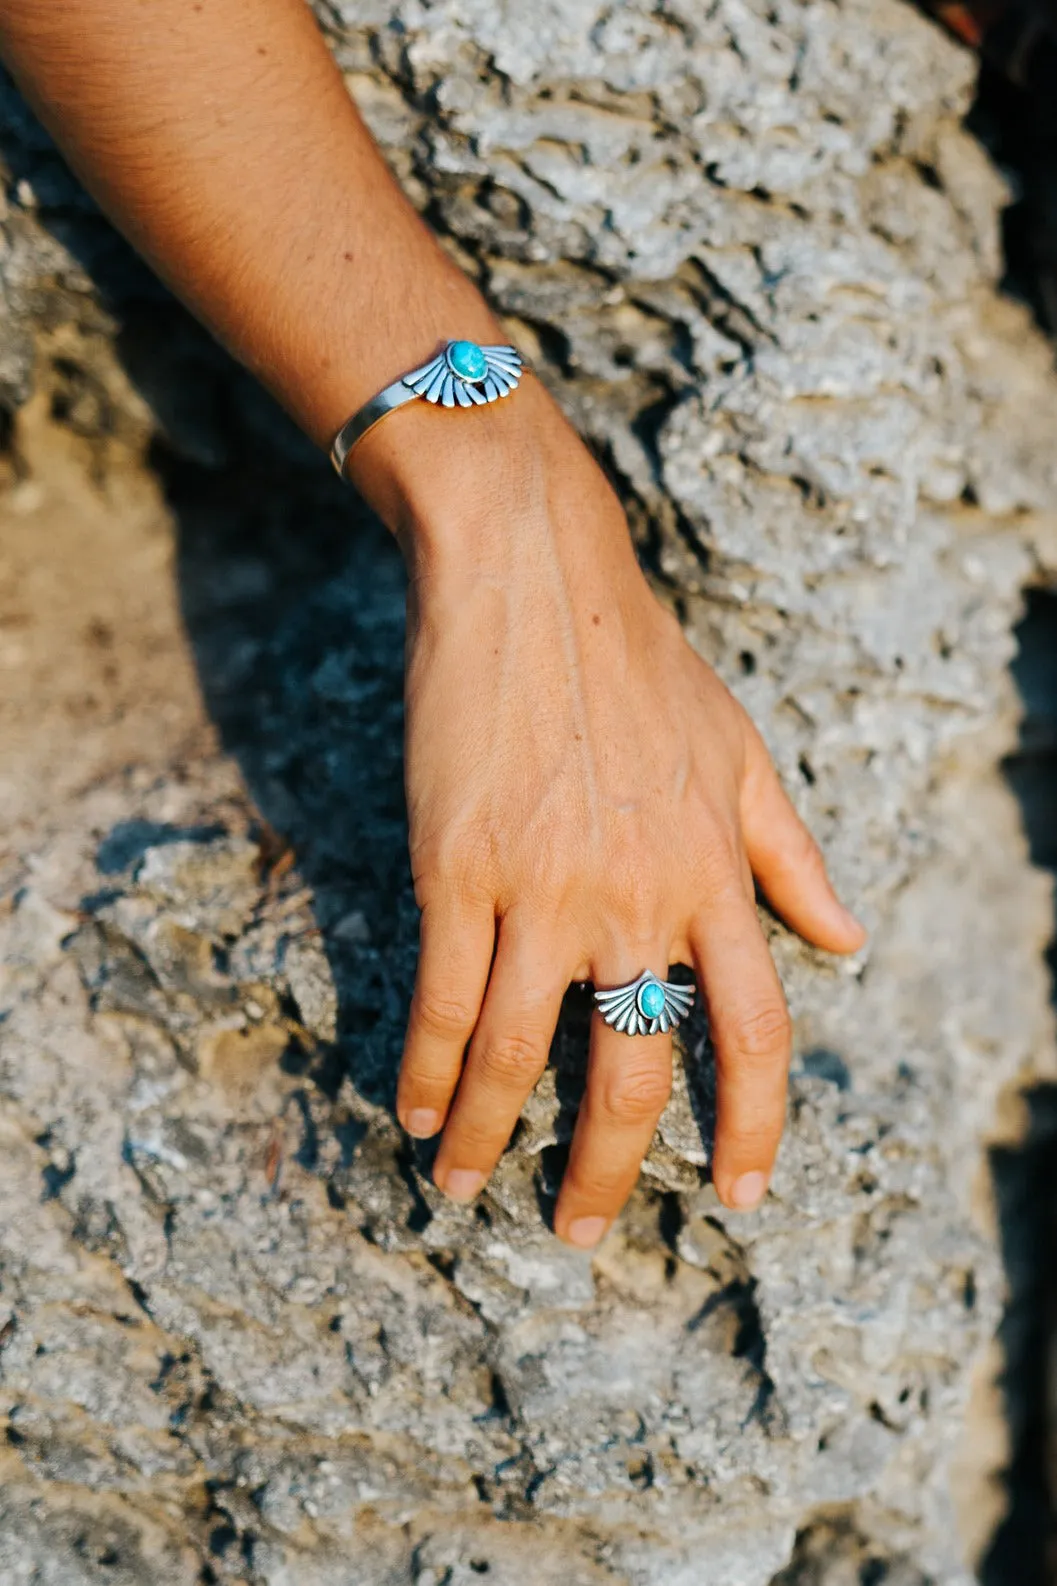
220	138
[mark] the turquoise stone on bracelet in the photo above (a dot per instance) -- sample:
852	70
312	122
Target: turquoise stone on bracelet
651	999
467	360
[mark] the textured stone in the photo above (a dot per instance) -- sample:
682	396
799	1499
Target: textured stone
756	255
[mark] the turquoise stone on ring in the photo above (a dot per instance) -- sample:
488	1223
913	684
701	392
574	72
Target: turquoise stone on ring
467	360
651	999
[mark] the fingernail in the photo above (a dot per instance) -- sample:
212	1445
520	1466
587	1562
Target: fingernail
422	1122
462	1183
586	1231
748	1191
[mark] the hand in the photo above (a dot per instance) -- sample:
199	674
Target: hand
586	798
586	801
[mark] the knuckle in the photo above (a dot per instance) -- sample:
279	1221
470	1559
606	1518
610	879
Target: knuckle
637	1093
452	866
423	1088
606	1186
446	1018
755	1130
762	1033
626	862
752	1142
638	905
471	1142
555	870
637	870
718	860
429	886
805	851
639	930
515	1060
672	627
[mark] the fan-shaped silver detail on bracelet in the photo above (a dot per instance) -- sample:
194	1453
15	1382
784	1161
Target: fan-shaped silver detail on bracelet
463	374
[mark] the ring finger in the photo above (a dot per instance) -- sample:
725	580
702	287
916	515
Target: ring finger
629	1080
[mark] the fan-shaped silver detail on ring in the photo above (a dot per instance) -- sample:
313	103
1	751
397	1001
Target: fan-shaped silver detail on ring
455	378
647	1006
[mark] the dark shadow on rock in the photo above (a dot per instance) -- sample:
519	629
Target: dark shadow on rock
1026	1185
832	1551
127	842
1017	123
821	1062
1025	1178
293	600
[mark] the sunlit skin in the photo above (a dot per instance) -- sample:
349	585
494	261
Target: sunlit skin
586	798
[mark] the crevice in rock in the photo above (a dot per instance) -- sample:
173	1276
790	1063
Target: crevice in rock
1018	126
1025	1176
834	1549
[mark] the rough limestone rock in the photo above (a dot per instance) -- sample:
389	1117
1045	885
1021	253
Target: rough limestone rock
242	1338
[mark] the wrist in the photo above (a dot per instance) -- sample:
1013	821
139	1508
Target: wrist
477	495
509	501
450	482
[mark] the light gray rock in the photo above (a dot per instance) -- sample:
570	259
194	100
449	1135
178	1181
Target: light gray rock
243	1337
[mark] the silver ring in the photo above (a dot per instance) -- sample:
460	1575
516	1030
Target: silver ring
463	375
646	1006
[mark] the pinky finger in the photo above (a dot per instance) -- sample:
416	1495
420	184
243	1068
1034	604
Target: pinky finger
455	957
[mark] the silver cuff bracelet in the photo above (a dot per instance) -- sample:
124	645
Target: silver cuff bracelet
462	375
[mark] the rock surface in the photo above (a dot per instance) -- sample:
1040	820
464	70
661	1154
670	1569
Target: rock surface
242	1338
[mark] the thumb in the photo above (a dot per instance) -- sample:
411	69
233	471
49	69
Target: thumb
787	861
